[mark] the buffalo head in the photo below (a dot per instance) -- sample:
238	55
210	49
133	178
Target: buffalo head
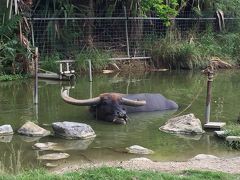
107	106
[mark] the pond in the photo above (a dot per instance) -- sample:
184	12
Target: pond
186	88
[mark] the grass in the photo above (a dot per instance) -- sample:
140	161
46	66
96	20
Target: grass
11	77
49	63
232	130
196	51
109	173
99	59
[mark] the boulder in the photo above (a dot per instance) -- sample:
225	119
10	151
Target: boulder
54	156
136	149
6	130
73	130
186	124
31	129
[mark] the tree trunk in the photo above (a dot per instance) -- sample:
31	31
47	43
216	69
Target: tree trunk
89	26
136	29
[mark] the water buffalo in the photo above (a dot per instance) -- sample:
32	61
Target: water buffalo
113	107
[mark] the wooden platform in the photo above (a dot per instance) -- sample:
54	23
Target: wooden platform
214	125
55	76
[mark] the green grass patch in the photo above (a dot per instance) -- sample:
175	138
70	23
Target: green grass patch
12	77
99	59
109	173
195	52
232	130
49	63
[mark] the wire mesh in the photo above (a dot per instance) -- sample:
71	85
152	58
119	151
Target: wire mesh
118	34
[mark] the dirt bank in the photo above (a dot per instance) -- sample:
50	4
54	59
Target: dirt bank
231	165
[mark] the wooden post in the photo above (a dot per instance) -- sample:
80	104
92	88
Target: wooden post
208	124
209	94
90	70
35	56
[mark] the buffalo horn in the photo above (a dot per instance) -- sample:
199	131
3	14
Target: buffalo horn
130	102
79	102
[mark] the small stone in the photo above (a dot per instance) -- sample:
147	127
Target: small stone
54	156
44	146
136	149
73	130
51	165
204	156
6	130
220	134
141	159
31	129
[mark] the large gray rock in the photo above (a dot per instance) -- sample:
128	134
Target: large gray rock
6	130
186	124
54	156
31	129
136	149
73	130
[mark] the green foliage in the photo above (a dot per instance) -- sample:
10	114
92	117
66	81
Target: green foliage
99	59
196	53
232	130
49	63
11	77
163	10
9	45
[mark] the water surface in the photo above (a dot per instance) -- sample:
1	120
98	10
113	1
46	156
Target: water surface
186	88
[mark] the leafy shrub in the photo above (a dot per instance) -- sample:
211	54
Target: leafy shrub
99	59
49	63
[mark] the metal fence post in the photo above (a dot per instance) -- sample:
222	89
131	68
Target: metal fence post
35	56
90	70
126	29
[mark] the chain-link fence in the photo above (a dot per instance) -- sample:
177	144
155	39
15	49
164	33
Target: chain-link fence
120	36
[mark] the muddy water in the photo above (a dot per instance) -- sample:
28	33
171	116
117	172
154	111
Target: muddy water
16	107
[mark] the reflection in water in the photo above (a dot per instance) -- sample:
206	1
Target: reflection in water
6	139
16	107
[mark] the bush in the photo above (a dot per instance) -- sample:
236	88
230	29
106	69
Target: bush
195	54
99	59
49	63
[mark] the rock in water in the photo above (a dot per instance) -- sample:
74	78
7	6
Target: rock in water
186	124
44	146
203	156
73	130
54	156
31	129
6	130
136	149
